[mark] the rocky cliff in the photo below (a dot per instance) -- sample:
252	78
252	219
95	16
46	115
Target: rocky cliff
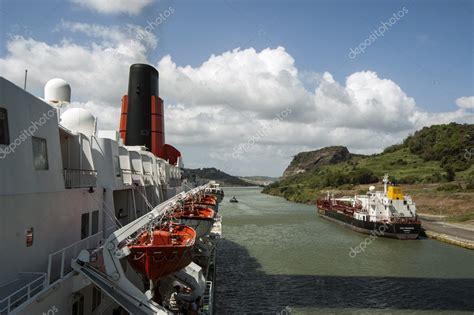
305	161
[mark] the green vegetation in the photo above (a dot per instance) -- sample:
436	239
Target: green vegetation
450	187
444	143
432	155
461	218
206	174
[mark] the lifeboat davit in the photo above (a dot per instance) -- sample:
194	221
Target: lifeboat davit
199	218
165	251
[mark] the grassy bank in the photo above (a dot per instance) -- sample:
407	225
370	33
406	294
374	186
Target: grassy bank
429	198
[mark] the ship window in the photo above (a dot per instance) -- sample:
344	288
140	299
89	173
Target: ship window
29	237
78	307
118	173
96	298
4	137
40	154
95	222
84	225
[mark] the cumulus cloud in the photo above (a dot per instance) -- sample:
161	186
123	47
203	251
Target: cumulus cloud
465	102
228	100
131	7
261	82
112	35
97	71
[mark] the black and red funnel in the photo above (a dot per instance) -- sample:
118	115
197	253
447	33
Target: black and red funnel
142	119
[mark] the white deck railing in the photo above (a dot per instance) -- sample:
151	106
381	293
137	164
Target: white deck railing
80	178
59	263
11	302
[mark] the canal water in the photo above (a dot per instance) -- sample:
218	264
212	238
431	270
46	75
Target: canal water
279	257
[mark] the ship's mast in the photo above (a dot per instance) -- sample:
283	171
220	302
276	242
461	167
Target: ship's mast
385	183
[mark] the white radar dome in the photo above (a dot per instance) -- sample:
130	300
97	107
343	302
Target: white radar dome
57	92
79	120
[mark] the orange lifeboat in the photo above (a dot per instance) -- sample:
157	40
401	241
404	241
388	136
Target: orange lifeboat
199	217
210	199
209	202
167	250
205	198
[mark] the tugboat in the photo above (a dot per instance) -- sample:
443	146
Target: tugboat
387	213
233	199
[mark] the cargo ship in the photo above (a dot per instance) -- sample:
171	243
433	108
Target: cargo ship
100	221
387	213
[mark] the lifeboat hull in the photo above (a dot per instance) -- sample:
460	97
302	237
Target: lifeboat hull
202	226
163	254
211	205
200	219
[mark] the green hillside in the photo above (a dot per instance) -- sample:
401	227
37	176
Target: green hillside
431	155
203	175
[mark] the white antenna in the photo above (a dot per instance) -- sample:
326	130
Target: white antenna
385	182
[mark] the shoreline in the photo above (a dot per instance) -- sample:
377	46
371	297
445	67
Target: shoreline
449	239
458	234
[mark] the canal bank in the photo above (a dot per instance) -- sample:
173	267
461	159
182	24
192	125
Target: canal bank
456	234
278	256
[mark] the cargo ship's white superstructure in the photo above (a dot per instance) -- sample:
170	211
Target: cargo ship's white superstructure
66	187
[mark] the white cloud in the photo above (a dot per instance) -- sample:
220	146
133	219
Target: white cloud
97	71
224	102
131	7
261	82
112	35
465	102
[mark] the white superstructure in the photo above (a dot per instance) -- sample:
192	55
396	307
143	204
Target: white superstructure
66	187
389	205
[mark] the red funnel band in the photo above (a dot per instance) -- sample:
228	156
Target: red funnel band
123	118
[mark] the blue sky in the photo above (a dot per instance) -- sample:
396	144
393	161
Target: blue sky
428	53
